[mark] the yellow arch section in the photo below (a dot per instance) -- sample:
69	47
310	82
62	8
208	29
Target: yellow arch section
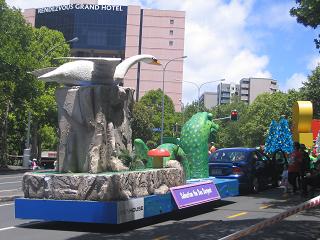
301	122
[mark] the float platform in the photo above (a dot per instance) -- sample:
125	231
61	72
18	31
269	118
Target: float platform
118	212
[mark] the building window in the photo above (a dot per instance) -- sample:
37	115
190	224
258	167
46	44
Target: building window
170	43
171	32
171	21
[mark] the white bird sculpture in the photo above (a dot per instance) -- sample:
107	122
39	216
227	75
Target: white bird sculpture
90	70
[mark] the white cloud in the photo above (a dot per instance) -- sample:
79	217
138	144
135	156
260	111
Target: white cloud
275	15
23	4
314	62
294	82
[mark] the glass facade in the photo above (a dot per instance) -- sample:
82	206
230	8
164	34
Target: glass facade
100	28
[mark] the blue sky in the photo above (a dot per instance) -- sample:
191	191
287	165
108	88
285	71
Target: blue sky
233	39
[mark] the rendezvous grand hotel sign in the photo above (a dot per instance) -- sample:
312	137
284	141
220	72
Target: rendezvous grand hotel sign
93	7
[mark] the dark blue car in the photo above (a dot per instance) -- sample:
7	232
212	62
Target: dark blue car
253	170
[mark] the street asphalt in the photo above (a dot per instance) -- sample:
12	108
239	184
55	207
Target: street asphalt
11	182
208	221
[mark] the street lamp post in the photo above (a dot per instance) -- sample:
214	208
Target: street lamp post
199	87
75	39
162	103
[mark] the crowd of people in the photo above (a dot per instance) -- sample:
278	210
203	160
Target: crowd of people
302	170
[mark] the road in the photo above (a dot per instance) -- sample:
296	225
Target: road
10	185
210	221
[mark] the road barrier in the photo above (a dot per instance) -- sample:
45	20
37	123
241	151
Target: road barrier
277	218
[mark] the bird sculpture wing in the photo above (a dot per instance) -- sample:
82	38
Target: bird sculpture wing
103	68
42	71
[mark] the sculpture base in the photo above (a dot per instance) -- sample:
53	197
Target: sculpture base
113	212
108	186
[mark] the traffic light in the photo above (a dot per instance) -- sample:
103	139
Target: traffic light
234	115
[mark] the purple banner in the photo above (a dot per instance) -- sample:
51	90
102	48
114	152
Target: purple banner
194	194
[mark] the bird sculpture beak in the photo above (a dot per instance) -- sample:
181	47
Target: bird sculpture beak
156	61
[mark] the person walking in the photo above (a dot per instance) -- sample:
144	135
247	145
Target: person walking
294	166
284	179
305	165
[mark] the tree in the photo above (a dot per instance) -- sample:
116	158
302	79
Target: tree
262	111
15	38
307	13
141	125
21	48
150	108
311	91
229	134
46	46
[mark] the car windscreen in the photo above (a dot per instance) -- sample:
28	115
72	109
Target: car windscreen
228	156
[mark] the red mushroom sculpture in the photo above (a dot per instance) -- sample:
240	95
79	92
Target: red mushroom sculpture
158	155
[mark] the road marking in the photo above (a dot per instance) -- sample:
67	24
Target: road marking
7	204
7	228
161	237
238	215
265	206
10	190
10	182
19	176
200	226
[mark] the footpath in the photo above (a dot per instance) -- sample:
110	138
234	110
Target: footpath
5	173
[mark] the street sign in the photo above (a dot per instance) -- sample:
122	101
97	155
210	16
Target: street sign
194	194
156	129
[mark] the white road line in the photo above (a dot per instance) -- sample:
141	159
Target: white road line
10	182
7	204
10	190
7	228
20	176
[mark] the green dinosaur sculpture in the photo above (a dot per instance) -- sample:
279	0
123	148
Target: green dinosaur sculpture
176	153
195	135
192	153
141	151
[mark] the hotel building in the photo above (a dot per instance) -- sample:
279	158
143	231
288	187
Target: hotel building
123	31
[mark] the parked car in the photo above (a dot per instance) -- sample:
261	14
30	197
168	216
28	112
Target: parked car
47	159
253	170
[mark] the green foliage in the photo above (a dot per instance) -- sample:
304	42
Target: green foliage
307	13
48	136
229	134
24	49
151	144
253	123
141	125
147	115
130	159
259	115
311	91
190	110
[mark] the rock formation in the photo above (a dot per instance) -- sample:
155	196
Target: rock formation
94	124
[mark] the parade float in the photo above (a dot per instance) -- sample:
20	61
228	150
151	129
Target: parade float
91	183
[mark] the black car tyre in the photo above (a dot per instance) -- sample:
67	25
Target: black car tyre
255	185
